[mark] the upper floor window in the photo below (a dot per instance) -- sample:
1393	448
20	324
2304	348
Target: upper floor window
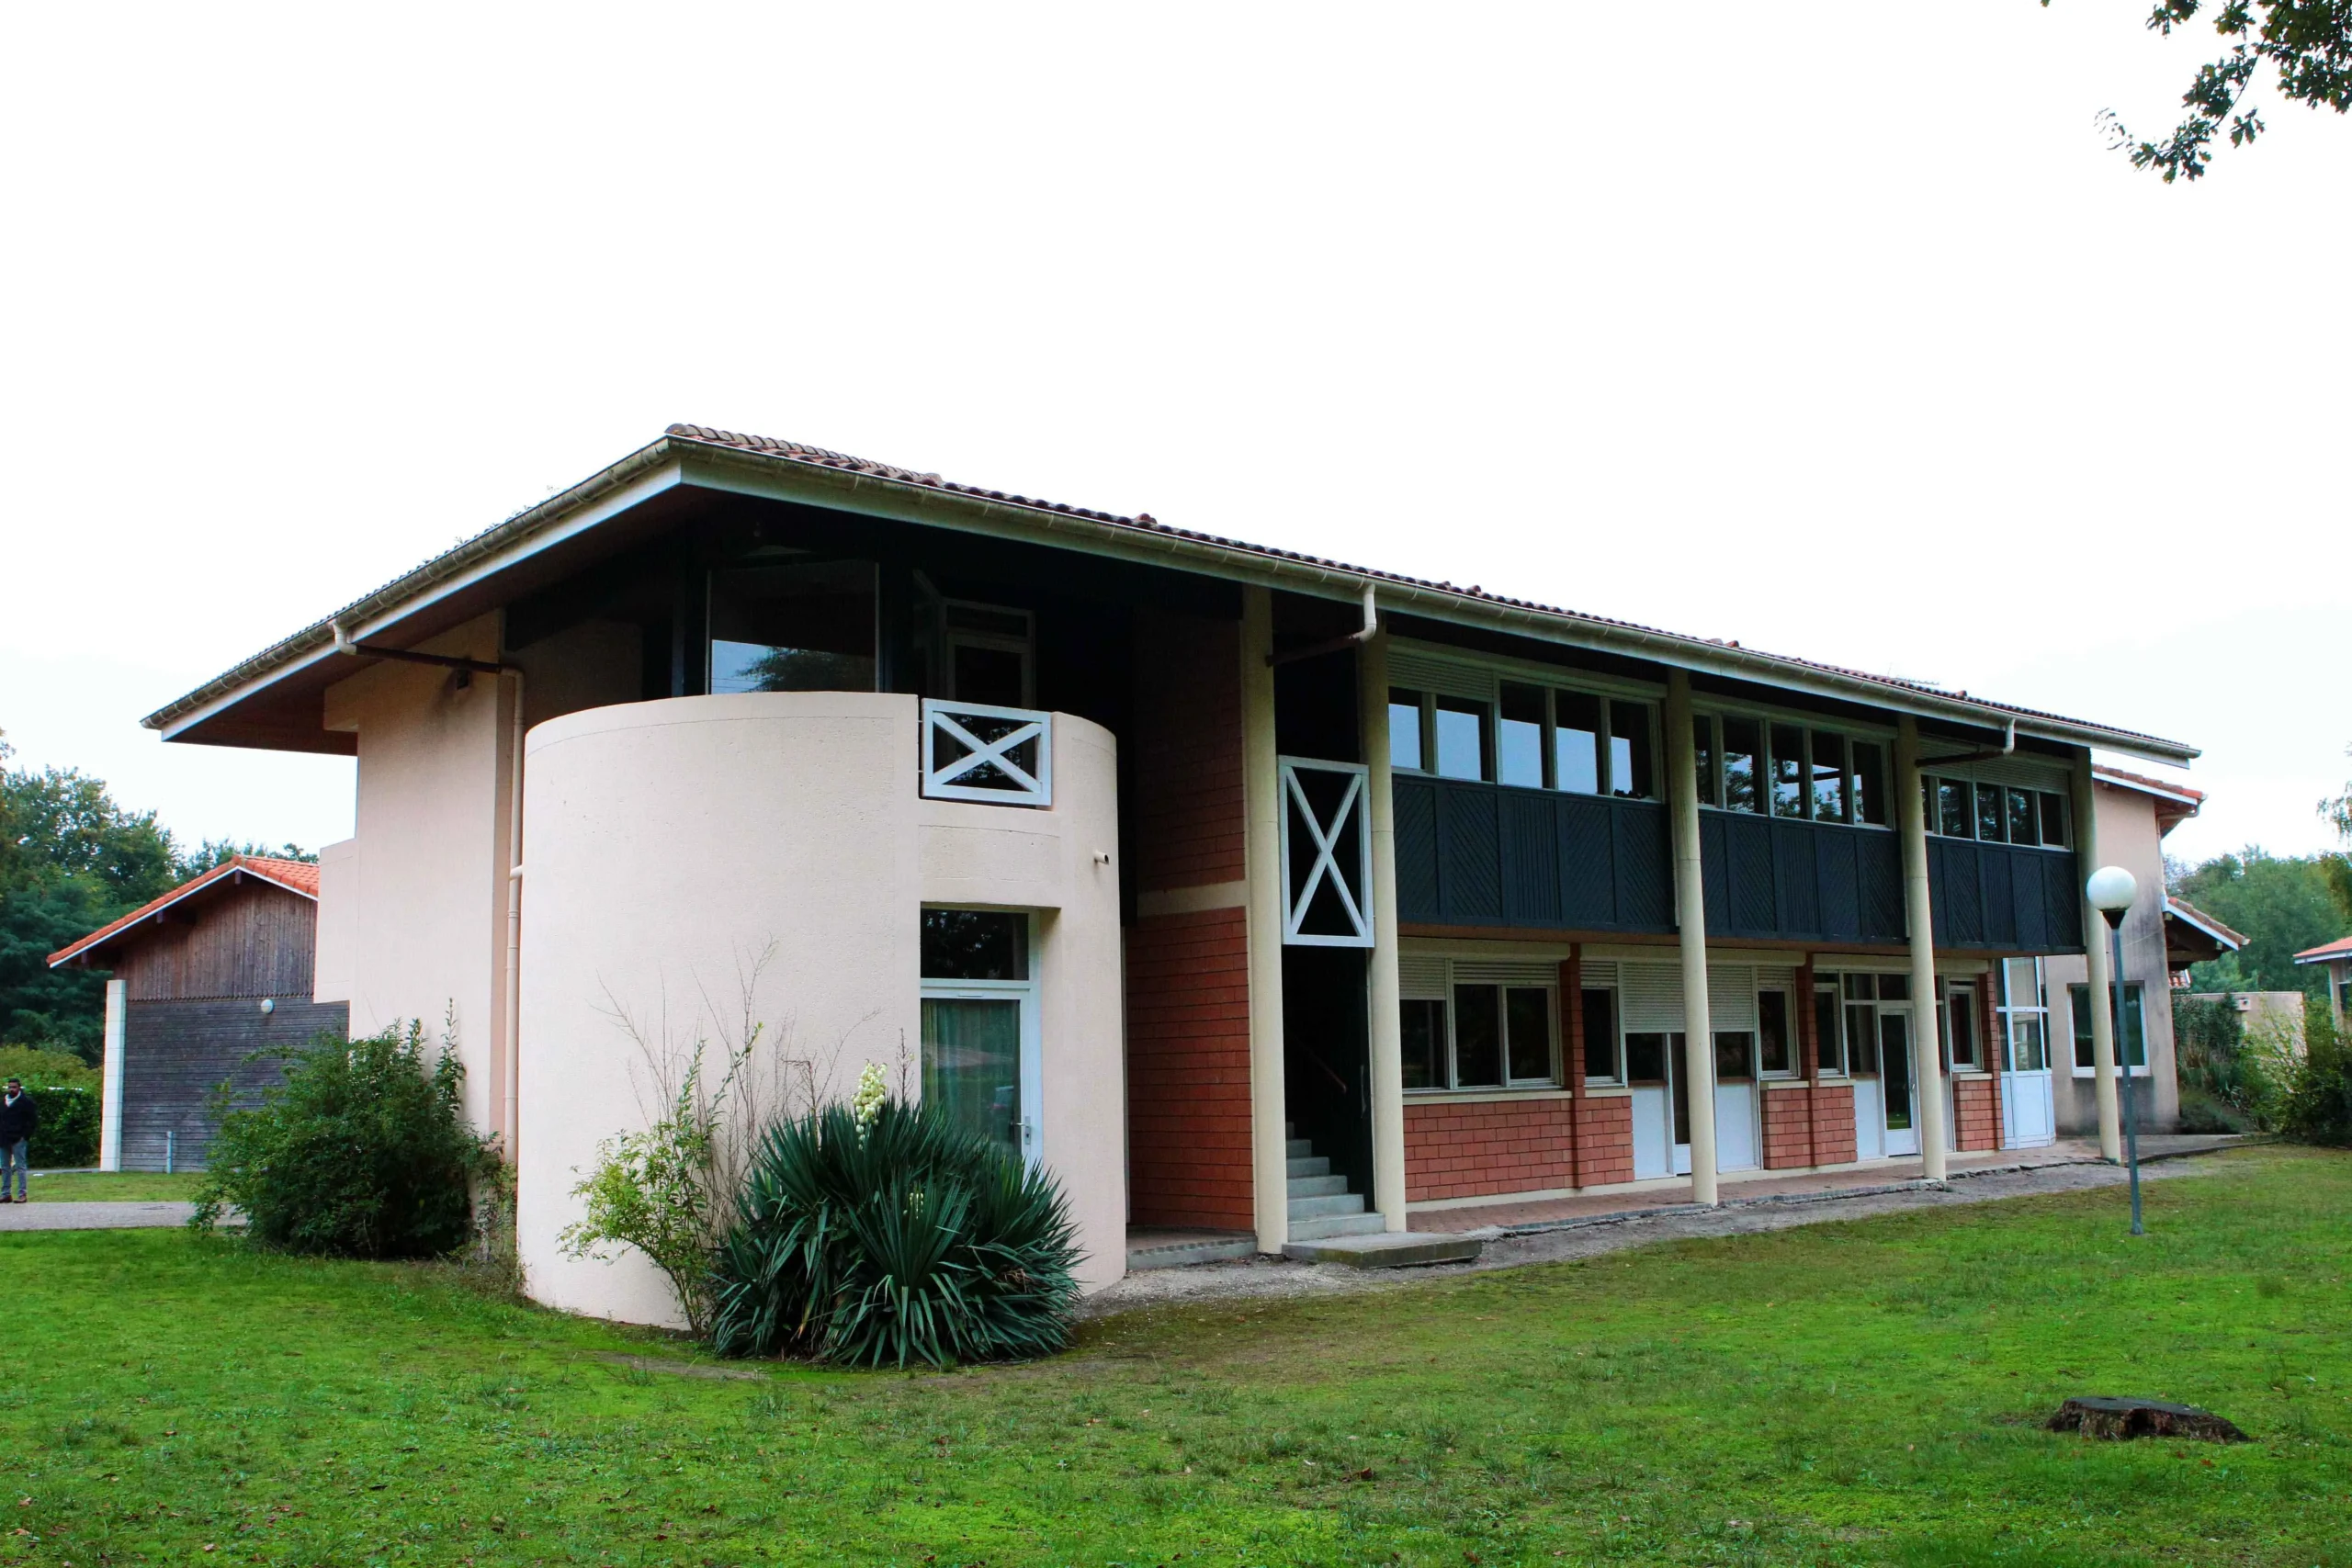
1785	769
1533	737
801	626
1994	813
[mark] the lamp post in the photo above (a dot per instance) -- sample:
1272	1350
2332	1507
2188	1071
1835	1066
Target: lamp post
2111	889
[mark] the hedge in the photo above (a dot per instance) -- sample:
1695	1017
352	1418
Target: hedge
67	1138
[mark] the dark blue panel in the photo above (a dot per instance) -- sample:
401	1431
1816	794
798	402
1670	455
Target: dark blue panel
1755	911
1796	881
1879	873
1588	898
1531	859
1836	894
2027	872
1416	849
2062	899
1956	888
1645	867
1714	872
1469	837
1997	866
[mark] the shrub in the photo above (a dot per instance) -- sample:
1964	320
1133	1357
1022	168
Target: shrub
2229	1078
46	1069
67	1137
362	1152
883	1234
2319	1094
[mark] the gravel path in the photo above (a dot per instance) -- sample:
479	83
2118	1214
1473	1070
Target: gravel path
1264	1277
92	1216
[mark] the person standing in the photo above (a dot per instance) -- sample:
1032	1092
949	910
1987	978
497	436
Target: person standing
18	1118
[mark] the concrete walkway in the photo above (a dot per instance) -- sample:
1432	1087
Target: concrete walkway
93	1216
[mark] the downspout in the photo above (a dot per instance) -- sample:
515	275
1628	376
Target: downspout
2007	748
1354	640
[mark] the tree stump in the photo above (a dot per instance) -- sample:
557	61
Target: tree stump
2116	1419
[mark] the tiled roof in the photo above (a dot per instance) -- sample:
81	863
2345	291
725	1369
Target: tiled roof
2340	947
294	876
2204	923
1760	665
2140	781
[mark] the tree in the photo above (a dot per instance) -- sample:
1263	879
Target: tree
2308	43
2281	905
2338	868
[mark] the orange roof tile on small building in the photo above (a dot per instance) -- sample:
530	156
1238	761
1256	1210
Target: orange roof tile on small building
2326	951
2181	909
294	876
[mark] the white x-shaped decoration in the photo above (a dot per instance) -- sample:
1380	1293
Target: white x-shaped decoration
1026	788
1325	843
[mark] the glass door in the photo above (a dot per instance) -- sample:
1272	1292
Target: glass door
1894	1068
980	1048
2027	1119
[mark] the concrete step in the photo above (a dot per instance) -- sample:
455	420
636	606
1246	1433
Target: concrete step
1317	1165
1298	1148
1328	1226
1202	1249
1323	1207
1399	1249
1315	1186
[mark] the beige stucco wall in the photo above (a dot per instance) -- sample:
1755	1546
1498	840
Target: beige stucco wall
419	892
672	843
336	963
2128	837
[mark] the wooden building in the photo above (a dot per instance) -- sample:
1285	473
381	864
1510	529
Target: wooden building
214	971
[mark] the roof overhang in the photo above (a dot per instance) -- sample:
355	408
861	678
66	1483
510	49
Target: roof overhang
2192	936
90	951
495	565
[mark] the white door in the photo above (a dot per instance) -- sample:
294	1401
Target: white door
1870	1120
2027	1117
1735	1111
1652	1153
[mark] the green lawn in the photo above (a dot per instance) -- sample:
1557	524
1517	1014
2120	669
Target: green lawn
1841	1394
110	1187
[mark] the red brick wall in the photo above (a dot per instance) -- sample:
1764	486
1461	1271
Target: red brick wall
1976	1108
1833	1123
1187	1071
1788	1128
1185	802
1484	1148
1604	1140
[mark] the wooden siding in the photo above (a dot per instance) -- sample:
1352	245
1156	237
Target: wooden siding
1769	877
1481	855
256	941
2003	898
175	1052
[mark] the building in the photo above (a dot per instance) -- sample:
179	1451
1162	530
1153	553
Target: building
204	977
2334	959
1248	892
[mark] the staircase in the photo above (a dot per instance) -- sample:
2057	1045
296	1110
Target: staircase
1321	1206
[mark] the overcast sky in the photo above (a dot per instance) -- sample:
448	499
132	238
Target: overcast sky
1836	331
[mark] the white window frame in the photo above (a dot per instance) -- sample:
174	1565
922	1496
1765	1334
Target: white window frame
1354	883
1846	735
2145	1068
1453	1085
1028	993
1794	1025
952	636
939	778
2011	1011
1836	989
1616	1019
1945	987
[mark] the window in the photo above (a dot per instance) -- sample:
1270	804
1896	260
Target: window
1830	1042
2053	819
1734	1055
1645	1057
1575	742
1957	1017
1485	1034
1742	765
1954	811
1828	779
979	1024
1629	750
990	654
2027	1036
1424	1044
1519	738
1788	769
2132	1049
1776	1047
1702	750
1461	738
1599	1035
1992	814
809	626
1870	783
2022	829
1405	750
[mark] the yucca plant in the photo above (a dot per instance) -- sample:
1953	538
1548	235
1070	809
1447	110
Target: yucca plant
885	1236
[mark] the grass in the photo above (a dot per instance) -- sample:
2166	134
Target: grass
1859	1392
110	1187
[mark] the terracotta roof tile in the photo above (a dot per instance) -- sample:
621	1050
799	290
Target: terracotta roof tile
295	875
2340	947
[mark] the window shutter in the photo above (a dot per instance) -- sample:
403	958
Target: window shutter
1650	996
1421	976
1731	996
1423	672
1482	972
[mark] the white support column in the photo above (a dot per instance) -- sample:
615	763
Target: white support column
1261	857
110	1076
1691	922
1918	908
2098	965
1387	1046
